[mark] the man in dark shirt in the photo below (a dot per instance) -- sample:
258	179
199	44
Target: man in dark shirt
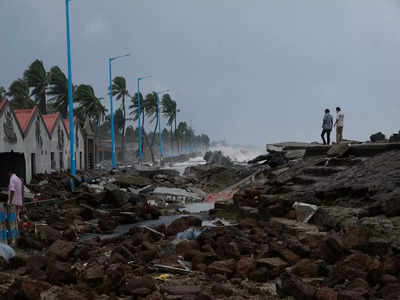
327	124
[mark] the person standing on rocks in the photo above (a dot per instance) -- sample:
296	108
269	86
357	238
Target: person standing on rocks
15	203
327	124
339	123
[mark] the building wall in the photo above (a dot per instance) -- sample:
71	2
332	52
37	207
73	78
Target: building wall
41	148
61	155
79	149
4	145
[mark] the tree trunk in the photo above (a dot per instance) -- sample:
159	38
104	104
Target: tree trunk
154	133
123	130
176	138
42	104
171	141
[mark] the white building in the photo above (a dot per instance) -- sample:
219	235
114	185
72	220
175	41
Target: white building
44	140
79	145
36	141
59	141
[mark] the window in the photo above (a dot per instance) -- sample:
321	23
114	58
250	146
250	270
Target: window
61	161
33	163
53	161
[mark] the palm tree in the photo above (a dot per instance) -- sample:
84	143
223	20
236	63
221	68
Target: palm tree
89	105
165	136
119	121
119	89
134	107
58	90
37	78
3	92
182	132
19	91
169	111
144	106
151	107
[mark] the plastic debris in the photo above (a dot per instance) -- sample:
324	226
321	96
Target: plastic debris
6	251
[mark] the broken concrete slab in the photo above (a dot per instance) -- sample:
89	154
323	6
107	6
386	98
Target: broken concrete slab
176	194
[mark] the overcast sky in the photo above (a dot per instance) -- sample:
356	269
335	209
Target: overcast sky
248	71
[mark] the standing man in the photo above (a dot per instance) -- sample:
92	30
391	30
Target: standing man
339	123
327	124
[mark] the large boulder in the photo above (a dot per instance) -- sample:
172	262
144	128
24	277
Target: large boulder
273	159
275	265
291	285
181	224
306	268
140	286
244	266
114	195
223	267
377	137
61	249
338	150
395	138
60	273
389	203
27	289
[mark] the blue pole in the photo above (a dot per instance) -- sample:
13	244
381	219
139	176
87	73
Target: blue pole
114	164
159	125
70	101
139	122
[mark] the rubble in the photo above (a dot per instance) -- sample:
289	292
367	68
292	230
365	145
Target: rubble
323	227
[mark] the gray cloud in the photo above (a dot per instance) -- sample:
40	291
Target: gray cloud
248	71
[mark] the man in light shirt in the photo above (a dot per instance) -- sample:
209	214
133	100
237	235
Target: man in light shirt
339	123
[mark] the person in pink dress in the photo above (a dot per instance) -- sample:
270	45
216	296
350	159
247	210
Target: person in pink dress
15	189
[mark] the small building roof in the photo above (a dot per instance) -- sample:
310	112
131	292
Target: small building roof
50	121
66	124
24	117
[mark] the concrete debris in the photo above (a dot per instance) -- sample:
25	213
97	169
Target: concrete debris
176	195
304	211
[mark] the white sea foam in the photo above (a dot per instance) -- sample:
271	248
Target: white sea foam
239	154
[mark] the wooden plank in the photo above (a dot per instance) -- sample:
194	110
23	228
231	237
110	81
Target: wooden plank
170	269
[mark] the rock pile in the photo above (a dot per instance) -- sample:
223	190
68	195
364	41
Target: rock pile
349	249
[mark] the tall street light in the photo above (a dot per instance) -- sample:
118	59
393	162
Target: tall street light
70	101
139	121
159	122
110	60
